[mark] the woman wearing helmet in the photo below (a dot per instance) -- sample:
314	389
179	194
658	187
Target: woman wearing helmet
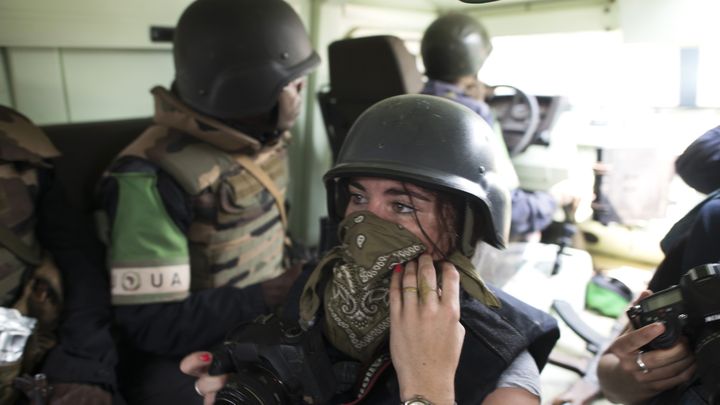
414	189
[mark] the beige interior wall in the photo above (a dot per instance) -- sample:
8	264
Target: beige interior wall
86	60
83	60
5	96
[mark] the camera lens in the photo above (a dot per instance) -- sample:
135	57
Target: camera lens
255	385
707	353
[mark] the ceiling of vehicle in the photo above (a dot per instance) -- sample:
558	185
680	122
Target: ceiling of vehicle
436	5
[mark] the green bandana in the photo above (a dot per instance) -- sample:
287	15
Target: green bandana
355	299
471	282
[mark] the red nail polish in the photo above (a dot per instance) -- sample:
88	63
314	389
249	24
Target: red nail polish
205	357
398	268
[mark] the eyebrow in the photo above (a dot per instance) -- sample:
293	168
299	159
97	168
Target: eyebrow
395	192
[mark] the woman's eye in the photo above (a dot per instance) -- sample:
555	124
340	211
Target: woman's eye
357	198
403	208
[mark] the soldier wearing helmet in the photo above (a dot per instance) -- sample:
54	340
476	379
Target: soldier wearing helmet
414	188
26	267
48	263
454	48
195	207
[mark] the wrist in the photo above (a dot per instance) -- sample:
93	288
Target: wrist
423	400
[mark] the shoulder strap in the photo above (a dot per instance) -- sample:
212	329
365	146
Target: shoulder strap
25	252
267	182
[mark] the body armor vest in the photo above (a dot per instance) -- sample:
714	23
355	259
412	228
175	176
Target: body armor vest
24	149
237	233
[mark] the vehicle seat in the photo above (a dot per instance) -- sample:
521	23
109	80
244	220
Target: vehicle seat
87	149
364	71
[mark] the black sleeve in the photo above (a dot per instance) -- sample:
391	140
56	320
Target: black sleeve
200	321
86	351
702	242
698	246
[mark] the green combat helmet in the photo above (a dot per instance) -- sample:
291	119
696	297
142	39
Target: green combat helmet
436	143
233	57
454	45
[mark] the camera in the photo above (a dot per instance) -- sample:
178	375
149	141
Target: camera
272	361
665	306
686	308
691	308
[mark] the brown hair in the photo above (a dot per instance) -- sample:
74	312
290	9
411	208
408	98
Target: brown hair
447	213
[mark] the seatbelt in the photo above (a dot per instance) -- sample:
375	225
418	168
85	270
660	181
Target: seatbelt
268	183
28	254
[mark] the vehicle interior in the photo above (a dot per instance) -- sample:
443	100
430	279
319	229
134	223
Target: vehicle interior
578	84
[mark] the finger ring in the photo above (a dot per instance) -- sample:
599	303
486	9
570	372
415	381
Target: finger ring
198	390
641	364
412	289
425	290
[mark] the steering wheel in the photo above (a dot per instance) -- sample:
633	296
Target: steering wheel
519	117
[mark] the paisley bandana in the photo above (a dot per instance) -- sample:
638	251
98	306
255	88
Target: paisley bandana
356	296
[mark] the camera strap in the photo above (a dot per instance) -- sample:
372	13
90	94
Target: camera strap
371	376
689	392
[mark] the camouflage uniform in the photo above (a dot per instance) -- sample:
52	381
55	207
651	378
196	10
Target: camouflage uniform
23	151
195	217
191	233
236	234
29	280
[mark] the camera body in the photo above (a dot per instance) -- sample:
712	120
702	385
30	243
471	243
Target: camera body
687	308
274	362
665	306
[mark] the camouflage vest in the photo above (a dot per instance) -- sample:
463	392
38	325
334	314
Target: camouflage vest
237	234
23	150
29	281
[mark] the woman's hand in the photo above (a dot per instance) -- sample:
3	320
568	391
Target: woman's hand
425	332
620	373
196	364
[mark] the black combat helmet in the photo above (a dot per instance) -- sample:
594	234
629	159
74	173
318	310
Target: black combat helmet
233	57
435	143
454	45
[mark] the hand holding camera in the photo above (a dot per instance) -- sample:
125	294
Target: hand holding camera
271	361
690	309
622	378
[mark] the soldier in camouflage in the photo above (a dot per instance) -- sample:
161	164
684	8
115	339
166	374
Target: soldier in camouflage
55	341
194	210
30	284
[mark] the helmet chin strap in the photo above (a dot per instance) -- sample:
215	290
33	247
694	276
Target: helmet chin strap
467	247
289	104
269	126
